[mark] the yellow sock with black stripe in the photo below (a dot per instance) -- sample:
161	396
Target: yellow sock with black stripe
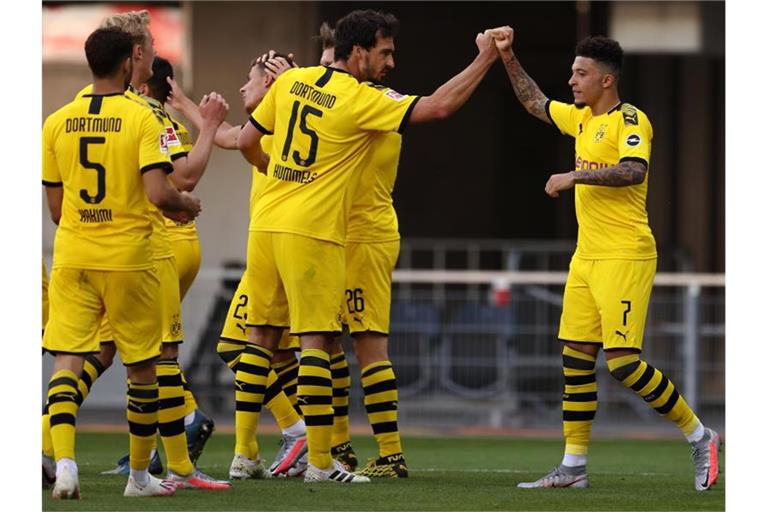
229	352
656	389
278	404
274	398
92	370
47	441
170	416
315	391
62	409
579	401
142	423
380	390
250	385
190	404
288	375
341	383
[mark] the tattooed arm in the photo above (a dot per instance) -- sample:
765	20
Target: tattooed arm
526	90
624	174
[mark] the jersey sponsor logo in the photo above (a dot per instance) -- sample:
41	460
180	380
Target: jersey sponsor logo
582	164
95	215
629	113
599	134
172	139
395	95
633	140
285	173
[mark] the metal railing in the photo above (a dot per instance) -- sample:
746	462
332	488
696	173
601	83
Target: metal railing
479	347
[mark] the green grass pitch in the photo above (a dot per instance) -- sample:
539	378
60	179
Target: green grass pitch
447	473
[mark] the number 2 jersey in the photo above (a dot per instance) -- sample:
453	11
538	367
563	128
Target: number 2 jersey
97	147
322	137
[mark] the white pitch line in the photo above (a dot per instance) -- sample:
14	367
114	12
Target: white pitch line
480	470
517	471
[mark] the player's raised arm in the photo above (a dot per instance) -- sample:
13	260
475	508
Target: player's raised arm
188	170
526	90
450	96
190	162
226	134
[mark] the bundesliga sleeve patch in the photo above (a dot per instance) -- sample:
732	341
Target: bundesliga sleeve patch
395	95
172	139
164	143
633	140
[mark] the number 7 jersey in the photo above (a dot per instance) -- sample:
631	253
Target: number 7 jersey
324	122
97	147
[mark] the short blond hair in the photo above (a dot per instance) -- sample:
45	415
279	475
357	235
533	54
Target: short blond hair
135	23
326	36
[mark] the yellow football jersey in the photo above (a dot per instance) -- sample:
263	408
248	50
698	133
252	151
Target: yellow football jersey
96	147
178	231
372	216
171	144
613	221
326	126
258	180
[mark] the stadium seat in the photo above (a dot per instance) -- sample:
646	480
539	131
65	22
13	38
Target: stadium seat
414	331
474	354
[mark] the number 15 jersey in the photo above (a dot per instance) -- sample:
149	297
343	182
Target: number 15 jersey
323	122
97	147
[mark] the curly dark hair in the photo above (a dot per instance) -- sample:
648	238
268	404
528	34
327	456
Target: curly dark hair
602	49
158	85
361	28
106	49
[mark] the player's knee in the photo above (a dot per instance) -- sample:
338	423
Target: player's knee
142	373
577	361
230	352
370	348
623	367
169	351
106	354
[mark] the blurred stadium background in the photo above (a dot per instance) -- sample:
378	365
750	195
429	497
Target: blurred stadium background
478	289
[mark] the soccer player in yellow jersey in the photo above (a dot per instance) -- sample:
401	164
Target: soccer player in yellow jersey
177	405
178	409
611	273
324	120
373	245
183	235
234	334
102	160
